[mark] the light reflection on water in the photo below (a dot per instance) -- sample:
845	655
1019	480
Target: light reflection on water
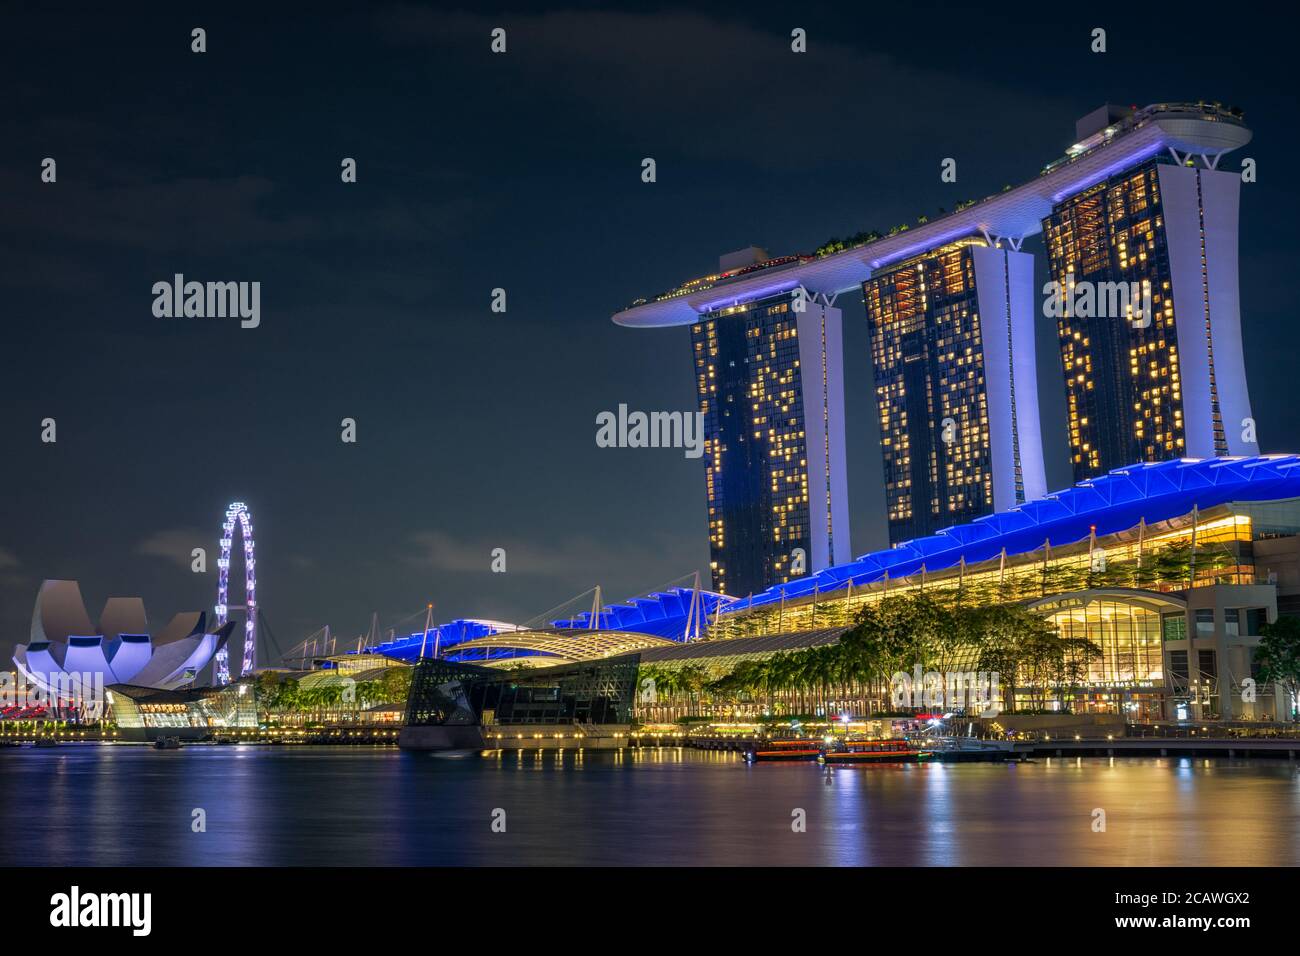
103	805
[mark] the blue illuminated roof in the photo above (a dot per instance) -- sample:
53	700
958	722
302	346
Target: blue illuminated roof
1107	504
661	613
407	647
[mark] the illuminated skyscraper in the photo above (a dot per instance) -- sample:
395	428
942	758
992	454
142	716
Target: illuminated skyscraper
769	380
952	345
952	305
1173	383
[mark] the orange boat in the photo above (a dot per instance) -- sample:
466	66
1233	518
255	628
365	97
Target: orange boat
785	750
897	750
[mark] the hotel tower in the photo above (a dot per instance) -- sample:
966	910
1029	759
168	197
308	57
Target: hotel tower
1138	202
1172	383
952	346
769	381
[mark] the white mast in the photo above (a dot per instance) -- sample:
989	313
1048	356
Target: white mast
428	619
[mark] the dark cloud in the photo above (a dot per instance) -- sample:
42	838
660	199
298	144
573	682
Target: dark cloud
707	86
177	545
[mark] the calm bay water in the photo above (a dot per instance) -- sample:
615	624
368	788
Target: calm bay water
121	805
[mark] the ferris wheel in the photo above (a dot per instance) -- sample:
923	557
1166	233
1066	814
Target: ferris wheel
237	513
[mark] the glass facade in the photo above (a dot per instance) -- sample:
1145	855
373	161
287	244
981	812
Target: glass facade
137	710
928	354
1126	592
439	693
1150	557
1124	390
1128	635
591	692
750	389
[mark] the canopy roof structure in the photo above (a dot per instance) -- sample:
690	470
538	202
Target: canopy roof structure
409	647
759	646
1108	504
331	677
542	648
664	613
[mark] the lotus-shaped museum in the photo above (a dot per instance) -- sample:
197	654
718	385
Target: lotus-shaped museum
64	642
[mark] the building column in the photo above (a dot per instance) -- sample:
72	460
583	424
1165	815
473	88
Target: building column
1005	283
821	370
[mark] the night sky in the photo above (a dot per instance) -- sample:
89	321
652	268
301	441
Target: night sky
477	171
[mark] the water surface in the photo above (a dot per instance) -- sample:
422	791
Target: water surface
130	805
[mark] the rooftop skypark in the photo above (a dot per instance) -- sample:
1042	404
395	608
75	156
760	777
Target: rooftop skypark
1193	129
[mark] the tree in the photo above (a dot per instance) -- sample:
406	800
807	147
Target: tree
839	245
903	631
288	695
1049	660
330	696
940	630
267	686
1173	565
1016	642
744	680
1060	578
396	684
368	693
1003	633
1278	656
691	680
267	690
275	695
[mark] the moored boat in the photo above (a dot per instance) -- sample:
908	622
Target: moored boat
897	750
800	749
